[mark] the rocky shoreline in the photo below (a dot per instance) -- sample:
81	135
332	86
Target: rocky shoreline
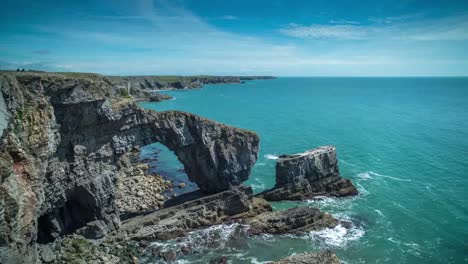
145	87
69	173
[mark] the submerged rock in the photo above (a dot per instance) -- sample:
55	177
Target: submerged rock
309	174
325	257
294	220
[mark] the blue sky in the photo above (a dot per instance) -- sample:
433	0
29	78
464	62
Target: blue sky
274	37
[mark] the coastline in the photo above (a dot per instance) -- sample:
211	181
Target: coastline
94	130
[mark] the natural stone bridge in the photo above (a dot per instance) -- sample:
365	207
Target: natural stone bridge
60	151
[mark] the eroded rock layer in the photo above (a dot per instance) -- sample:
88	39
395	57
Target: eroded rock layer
178	220
307	175
59	152
292	221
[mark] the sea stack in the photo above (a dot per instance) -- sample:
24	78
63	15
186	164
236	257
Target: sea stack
307	175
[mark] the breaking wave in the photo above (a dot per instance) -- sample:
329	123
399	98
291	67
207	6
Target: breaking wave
338	236
213	237
271	157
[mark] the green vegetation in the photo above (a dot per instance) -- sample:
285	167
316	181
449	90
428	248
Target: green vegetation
124	93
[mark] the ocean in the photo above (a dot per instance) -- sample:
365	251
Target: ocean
402	141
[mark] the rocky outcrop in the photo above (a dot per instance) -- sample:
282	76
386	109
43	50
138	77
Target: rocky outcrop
176	82
3	114
307	175
157	97
59	155
178	220
291	221
235	205
324	257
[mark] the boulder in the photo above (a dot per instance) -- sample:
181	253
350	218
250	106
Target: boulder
307	175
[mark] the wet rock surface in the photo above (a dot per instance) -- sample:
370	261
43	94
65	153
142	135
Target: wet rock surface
307	175
325	257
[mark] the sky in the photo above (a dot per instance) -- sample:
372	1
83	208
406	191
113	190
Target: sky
241	37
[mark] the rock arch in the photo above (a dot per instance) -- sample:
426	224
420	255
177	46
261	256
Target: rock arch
60	150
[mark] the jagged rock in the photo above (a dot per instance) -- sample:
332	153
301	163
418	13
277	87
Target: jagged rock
168	255
291	221
325	257
157	97
309	174
178	220
137	83
59	155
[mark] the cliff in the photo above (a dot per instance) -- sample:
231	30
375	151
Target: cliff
177	82
62	136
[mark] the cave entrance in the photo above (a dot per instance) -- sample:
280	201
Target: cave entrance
79	209
164	162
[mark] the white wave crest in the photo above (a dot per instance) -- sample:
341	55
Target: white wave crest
338	236
258	186
271	157
365	176
388	177
213	237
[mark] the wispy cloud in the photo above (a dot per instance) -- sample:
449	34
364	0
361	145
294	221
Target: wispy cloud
391	28
327	31
229	17
163	37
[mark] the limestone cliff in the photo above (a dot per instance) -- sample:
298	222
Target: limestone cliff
176	82
62	136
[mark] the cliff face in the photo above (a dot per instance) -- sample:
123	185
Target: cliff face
62	137
176	82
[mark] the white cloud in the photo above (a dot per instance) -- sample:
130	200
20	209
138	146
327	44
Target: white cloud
229	17
327	31
169	39
391	28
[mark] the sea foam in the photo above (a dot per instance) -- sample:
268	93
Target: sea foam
271	157
338	236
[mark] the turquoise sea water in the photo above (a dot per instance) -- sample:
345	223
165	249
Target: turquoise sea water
402	141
